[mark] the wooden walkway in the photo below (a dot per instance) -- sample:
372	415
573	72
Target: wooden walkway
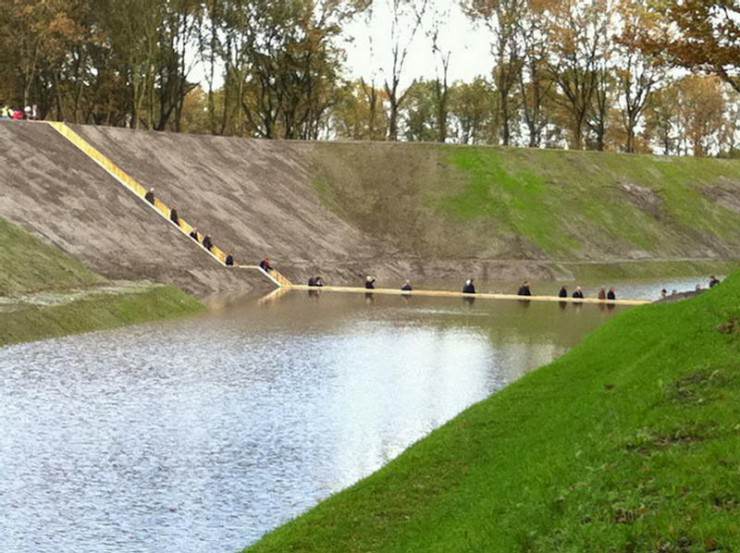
451	294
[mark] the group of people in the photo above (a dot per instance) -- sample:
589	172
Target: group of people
578	293
524	290
206	241
18	114
713	281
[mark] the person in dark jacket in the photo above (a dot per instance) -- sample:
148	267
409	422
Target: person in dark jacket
563	292
602	294
612	295
265	264
207	243
524	289
149	196
319	282
369	283
578	294
406	286
194	234
229	260
713	281
174	217
469	287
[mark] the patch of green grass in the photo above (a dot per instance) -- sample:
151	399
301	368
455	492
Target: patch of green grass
517	200
29	265
565	201
452	202
630	442
97	312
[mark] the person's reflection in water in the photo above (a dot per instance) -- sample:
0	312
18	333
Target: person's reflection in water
314	294
369	298
610	307
406	298
468	301
562	304
524	303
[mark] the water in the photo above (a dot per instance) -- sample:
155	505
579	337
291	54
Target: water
201	435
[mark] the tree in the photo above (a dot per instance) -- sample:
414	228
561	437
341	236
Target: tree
358	113
601	101
534	83
420	112
406	16
702	35
661	118
293	68
502	17
701	105
578	33
637	73
35	36
441	89
472	106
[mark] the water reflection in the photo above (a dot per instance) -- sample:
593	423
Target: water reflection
201	435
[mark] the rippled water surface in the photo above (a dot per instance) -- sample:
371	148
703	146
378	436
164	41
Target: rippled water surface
201	435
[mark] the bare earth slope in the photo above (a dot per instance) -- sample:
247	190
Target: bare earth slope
343	209
54	190
254	197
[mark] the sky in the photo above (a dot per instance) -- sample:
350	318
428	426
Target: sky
469	45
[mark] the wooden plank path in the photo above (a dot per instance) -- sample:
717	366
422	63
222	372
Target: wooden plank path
452	294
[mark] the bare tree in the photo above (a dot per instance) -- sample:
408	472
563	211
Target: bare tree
401	38
439	16
502	17
535	83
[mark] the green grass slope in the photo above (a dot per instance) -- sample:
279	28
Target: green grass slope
96	312
630	442
28	266
452	201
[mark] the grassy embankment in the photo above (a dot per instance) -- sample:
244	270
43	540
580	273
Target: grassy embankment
630	442
565	207
29	269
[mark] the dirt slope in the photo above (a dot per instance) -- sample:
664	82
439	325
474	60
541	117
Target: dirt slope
396	210
254	197
52	189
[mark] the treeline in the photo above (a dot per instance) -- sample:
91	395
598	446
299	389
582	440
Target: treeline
596	74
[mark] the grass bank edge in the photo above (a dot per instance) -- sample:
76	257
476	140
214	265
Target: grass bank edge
97	312
631	441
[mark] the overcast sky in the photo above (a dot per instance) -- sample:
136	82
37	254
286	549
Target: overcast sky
469	45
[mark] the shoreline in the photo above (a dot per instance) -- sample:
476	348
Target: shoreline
95	310
622	443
